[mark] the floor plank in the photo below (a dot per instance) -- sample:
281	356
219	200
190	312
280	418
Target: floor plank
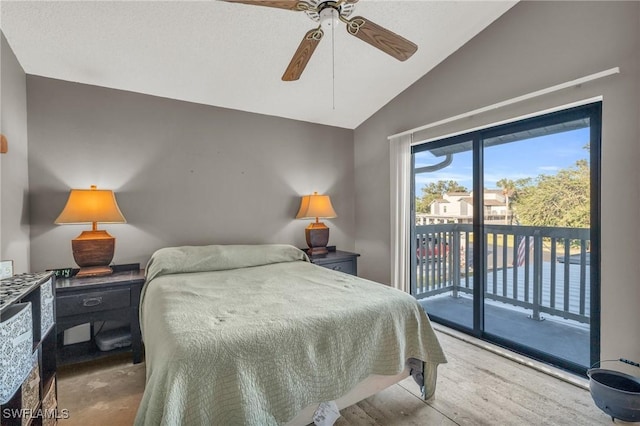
395	406
476	387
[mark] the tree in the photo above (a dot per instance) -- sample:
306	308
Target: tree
508	190
436	190
555	200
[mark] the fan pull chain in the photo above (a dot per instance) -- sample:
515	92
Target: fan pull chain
333	59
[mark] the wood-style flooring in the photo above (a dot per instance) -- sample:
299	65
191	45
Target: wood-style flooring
476	387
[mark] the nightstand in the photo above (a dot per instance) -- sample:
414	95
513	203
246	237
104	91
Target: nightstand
114	297
338	260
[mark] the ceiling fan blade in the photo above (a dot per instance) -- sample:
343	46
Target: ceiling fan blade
303	54
381	38
280	4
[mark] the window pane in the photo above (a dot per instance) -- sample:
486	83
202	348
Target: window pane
444	214
536	210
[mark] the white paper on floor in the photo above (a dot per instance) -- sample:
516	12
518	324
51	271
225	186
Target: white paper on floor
326	414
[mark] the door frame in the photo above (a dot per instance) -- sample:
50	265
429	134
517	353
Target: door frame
592	111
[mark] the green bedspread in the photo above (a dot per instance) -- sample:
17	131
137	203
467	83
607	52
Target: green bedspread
249	335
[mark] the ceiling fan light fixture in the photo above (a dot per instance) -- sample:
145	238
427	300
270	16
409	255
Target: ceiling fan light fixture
325	12
343	9
328	18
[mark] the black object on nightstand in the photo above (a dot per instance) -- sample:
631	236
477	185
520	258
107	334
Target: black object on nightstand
114	297
338	260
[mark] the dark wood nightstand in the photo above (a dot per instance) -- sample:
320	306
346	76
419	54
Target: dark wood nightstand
114	297
338	260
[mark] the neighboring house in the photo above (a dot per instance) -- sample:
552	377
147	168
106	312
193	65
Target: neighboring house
495	205
453	204
457	207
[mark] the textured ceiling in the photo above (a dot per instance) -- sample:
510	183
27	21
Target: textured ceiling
233	55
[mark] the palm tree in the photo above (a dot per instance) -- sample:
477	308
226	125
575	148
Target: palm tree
508	189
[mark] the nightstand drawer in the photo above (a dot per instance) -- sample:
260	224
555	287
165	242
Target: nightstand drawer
93	302
346	266
338	260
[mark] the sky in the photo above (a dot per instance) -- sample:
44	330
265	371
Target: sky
526	158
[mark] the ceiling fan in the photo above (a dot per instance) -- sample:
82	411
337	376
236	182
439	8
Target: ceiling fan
321	10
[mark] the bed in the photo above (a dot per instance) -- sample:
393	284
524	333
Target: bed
258	335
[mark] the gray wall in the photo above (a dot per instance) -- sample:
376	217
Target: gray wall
183	173
533	46
14	178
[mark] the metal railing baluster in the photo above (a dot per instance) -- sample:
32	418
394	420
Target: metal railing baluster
504	265
567	262
537	275
552	275
583	275
454	252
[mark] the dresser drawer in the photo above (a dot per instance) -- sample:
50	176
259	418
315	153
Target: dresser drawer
345	266
31	391
49	405
92	302
46	307
16	345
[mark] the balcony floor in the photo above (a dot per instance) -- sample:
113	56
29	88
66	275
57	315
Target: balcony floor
562	338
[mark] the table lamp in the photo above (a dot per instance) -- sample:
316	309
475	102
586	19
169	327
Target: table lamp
92	250
317	233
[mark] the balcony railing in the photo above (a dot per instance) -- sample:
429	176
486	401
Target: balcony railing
542	269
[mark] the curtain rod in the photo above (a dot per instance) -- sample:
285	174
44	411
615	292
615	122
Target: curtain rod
531	95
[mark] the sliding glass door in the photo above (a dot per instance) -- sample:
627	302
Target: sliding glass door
507	234
443	212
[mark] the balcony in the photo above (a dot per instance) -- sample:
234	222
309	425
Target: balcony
537	283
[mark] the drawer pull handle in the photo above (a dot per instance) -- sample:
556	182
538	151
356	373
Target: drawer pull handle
337	268
92	301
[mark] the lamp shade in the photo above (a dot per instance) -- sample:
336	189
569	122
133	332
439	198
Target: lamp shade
91	206
316	206
92	250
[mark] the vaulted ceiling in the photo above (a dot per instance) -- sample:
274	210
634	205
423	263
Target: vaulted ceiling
233	55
